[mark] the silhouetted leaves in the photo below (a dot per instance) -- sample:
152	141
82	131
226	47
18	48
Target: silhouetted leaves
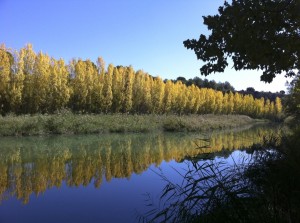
254	34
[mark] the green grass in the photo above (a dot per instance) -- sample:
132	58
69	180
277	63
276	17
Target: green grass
69	123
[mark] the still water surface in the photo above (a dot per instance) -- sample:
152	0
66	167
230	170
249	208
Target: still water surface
102	178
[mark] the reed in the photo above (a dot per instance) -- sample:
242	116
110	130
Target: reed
69	123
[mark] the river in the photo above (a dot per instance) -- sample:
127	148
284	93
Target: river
103	178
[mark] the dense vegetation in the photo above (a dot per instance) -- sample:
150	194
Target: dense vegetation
69	123
36	83
197	81
262	94
227	87
292	102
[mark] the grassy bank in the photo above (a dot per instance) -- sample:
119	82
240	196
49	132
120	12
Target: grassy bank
69	123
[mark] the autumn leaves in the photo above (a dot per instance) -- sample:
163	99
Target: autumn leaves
37	83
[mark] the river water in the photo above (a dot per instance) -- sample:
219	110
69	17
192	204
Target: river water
103	178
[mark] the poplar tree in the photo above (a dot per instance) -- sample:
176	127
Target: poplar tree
167	98
181	97
201	101
198	102
99	72
29	61
107	94
225	105
219	102
80	90
278	106
272	111
33	83
238	103
259	107
249	100
146	105
91	74
117	89
191	99
267	108
230	102
210	102
16	85
41	87
60	92
100	66
4	80
137	93
157	93
129	77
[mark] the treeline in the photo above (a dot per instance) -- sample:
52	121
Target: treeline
227	87
197	81
37	83
262	94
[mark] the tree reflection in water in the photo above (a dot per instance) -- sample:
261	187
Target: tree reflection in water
32	165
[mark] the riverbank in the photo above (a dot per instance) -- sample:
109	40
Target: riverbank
69	123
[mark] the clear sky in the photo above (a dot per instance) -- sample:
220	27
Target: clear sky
146	34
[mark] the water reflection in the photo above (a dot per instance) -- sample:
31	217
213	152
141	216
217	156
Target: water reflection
32	165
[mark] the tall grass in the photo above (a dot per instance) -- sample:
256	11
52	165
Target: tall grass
69	123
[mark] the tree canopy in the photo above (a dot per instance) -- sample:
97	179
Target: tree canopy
37	83
224	87
292	102
254	34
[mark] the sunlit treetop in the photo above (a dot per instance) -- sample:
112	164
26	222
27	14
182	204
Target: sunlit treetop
254	34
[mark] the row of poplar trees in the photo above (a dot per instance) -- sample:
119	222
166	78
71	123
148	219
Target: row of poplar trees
37	83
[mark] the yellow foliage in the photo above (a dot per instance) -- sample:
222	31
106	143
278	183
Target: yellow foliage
32	83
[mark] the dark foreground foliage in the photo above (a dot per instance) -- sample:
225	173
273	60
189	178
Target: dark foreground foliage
263	187
255	34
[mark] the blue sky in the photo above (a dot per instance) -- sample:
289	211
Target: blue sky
146	34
